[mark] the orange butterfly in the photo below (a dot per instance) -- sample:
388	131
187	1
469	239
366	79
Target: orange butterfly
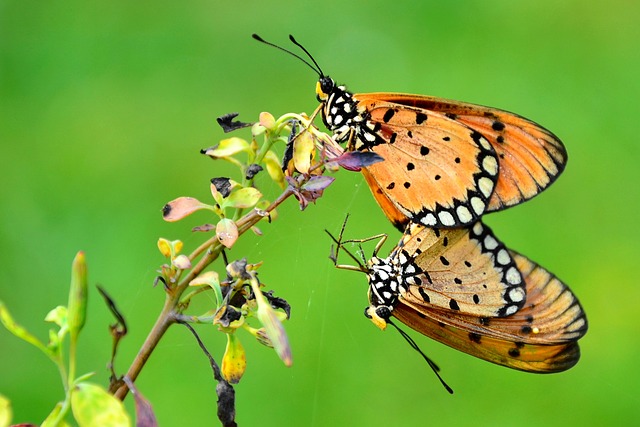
446	162
464	288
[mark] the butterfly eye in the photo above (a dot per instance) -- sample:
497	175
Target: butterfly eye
324	87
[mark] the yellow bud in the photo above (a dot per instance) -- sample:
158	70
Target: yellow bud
234	361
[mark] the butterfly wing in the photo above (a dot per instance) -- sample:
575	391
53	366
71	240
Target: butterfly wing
540	337
467	271
437	171
529	156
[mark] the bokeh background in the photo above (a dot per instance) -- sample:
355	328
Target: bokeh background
104	106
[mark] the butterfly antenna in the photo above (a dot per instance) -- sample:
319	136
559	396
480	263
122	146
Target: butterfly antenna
294	41
431	363
317	70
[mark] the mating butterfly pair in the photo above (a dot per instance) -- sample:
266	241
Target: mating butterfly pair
446	163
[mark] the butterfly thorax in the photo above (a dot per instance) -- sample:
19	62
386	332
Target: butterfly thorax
386	282
342	115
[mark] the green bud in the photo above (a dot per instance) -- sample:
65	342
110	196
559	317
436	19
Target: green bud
77	309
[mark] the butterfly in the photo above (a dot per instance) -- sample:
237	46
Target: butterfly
446	162
464	288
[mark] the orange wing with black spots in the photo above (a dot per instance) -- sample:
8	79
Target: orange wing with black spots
540	337
437	171
465	270
446	162
530	156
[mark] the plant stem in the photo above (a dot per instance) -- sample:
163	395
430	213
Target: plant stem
168	314
165	319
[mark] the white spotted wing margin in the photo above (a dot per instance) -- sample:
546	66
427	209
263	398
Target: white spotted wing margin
541	337
465	271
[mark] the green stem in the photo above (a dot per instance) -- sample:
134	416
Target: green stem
168	314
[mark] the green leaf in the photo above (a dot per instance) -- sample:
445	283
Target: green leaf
274	168
53	419
93	406
58	316
5	411
272	325
211	279
228	147
19	331
242	198
77	311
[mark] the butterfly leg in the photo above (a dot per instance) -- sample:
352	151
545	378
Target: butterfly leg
340	245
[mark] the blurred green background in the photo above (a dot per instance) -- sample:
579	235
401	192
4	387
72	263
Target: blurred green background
104	106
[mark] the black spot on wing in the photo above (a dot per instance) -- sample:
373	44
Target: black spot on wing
424	295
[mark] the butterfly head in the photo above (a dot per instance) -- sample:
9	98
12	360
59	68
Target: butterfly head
379	315
325	86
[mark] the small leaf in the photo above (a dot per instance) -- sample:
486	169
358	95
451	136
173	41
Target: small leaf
238	269
223	185
356	160
211	279
227	123
182	207
274	169
58	316
252	170
144	412
303	150
204	228
234	361
229	318
93	406
54	415
267	120
243	198
77	309
318	183
263	338
278	302
227	147
227	232
5	411
273	327
169	248
181	262
19	331
165	247
257	129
